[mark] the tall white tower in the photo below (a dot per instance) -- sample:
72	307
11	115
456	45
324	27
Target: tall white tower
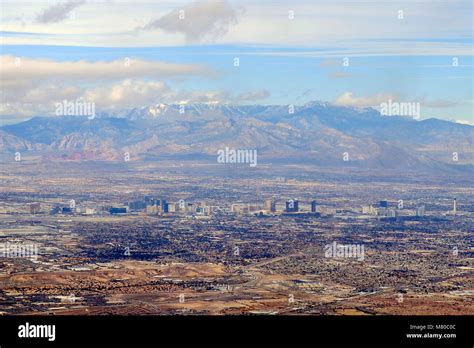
455	206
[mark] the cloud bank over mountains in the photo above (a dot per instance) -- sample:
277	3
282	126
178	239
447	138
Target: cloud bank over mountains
123	54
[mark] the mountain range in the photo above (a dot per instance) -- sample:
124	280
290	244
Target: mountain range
317	132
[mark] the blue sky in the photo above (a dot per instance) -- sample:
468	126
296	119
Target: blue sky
289	53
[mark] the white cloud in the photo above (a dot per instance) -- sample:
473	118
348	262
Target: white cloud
470	123
253	95
198	21
128	93
16	72
348	99
58	12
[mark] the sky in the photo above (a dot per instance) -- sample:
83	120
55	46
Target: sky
124	54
